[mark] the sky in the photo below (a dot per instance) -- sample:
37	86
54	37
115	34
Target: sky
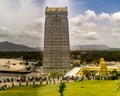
90	21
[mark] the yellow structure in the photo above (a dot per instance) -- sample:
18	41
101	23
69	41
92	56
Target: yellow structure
103	67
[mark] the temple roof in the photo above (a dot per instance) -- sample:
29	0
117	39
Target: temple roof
58	9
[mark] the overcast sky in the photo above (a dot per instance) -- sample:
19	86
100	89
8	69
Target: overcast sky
90	21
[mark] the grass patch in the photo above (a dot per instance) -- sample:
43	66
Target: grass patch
90	88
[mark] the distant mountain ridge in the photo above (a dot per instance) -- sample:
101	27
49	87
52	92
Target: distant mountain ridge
92	47
8	46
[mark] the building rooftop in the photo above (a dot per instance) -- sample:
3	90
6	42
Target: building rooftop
58	9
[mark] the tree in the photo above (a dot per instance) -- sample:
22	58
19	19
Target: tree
114	74
54	74
38	64
35	66
61	88
28	68
76	64
26	63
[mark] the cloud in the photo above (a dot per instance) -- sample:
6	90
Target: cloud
104	16
57	3
19	12
116	35
90	36
116	18
21	21
2	28
97	28
31	34
5	32
90	15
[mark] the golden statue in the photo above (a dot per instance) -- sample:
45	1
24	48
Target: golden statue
103	67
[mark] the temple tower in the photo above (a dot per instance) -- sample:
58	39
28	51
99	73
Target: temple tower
56	55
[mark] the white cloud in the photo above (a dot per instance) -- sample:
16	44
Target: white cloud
21	21
116	18
57	3
3	28
21	14
90	15
90	36
92	28
31	34
116	34
63	1
104	16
